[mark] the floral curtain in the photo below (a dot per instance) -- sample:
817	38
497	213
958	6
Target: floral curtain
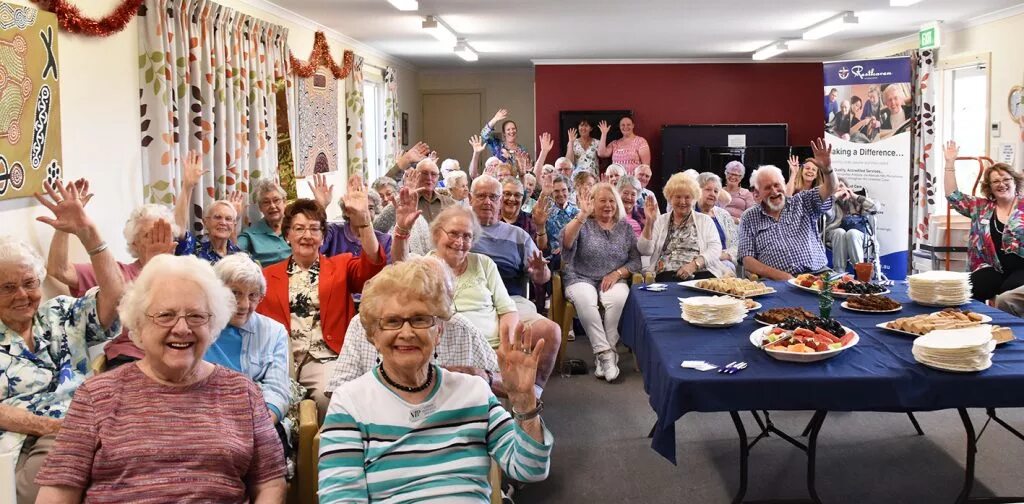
925	150
354	119
391	117
207	76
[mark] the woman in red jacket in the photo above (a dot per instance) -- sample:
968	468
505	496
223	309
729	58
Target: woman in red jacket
311	294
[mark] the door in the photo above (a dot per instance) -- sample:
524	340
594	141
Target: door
449	119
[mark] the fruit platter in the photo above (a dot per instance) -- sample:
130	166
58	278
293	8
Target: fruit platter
804	340
846	286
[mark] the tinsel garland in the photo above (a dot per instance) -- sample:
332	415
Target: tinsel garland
71	19
321	56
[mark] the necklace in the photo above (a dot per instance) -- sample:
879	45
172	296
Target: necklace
403	388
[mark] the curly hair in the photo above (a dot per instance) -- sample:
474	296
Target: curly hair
986	184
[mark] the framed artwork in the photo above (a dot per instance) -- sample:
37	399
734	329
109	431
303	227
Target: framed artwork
318	124
405	129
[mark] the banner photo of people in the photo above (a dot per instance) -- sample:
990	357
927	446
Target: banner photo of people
868	113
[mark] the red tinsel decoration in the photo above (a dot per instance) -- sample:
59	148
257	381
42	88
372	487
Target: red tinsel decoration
321	56
71	19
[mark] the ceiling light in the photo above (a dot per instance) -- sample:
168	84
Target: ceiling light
770	51
902	3
465	52
438	30
831	25
405	5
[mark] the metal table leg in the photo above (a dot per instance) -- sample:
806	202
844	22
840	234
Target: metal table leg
744	454
768	427
972	448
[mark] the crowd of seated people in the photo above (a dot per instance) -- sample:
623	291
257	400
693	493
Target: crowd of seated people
426	304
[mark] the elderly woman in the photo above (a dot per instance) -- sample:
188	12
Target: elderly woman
582	148
995	254
629	190
614	173
710	189
458	186
263	239
629	151
683	244
219	219
403	313
43	346
600	254
311	294
342	237
512	212
742	198
253	344
504	148
802	178
170	427
387	189
847	229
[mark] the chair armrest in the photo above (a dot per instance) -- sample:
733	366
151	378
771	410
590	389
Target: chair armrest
308	453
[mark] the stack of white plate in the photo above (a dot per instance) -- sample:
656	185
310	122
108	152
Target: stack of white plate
960	350
940	288
713	311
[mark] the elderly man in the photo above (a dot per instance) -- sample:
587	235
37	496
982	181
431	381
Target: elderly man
896	113
643	174
430	202
564	167
559	214
519	262
779	237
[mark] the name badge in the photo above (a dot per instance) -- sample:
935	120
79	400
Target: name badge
984	222
423	411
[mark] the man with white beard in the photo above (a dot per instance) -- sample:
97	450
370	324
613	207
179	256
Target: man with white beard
779	238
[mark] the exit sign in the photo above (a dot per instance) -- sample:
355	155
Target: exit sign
928	36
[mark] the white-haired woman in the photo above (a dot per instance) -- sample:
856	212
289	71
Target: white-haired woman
170	427
711	187
44	346
219	219
458	187
683	244
600	255
629	190
402	313
253	344
263	239
742	198
613	174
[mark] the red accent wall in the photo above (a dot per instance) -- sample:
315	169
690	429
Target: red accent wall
726	93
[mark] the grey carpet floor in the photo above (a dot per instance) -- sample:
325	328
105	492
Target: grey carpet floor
602	453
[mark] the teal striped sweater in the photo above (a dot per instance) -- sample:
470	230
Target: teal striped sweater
375	447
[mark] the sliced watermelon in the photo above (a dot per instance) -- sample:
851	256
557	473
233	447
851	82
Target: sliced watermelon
845	340
829	336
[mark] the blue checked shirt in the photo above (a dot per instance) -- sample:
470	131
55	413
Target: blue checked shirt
791	244
557	220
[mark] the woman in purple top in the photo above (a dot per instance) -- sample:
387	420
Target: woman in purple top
742	199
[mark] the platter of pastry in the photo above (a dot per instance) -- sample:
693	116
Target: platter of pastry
950	318
736	287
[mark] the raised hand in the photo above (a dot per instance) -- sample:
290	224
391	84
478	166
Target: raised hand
573	135
651	211
541	211
193	170
518	357
83	188
356	180
357	206
585	203
822	153
951	152
159	240
604	127
417	152
68	209
794	164
433	155
477	144
499	116
522	161
237	200
407	210
322	192
536	262
546	143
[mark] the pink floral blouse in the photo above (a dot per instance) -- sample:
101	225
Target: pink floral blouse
627	152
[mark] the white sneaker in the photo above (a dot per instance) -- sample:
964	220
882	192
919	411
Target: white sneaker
571	336
598	367
611	368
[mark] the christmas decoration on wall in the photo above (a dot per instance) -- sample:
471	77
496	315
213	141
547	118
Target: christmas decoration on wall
71	19
321	56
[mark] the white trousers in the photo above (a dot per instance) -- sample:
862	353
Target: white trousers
847	245
604	334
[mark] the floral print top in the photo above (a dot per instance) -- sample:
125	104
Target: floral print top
203	249
306	336
586	159
500	150
981	252
43	382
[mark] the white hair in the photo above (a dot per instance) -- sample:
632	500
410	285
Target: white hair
562	160
761	172
617	168
224	203
531	175
484	180
383	182
629	181
240	269
426	162
263	186
142	214
139	295
14	252
704	178
450	165
454	176
692	174
493	160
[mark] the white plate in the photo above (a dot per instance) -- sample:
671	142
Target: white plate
756	337
692	284
939	305
715	326
845	304
793	282
948	370
984	320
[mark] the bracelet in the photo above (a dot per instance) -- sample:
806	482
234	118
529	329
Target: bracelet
402	230
541	235
99	248
520	417
401	236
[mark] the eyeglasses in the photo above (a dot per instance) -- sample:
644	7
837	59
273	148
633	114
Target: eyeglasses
456	236
301	230
170	319
431	174
275	201
492	197
9	289
416	321
1005	181
509	194
253	297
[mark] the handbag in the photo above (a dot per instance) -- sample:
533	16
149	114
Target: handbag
858	222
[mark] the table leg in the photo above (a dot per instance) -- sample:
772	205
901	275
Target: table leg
812	444
741	432
972	449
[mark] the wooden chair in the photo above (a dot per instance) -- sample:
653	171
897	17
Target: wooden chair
304	486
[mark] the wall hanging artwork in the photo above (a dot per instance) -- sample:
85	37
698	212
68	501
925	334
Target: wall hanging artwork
30	150
317	125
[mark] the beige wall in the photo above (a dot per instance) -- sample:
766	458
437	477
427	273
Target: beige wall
100	120
999	38
506	88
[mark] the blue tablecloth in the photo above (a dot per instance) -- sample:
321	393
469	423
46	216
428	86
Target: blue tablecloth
878	374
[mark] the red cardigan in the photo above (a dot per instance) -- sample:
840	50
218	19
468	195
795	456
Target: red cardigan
340	276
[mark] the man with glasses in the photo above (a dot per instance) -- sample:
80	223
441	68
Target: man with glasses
429	201
560	213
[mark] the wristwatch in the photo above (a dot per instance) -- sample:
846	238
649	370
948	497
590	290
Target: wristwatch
520	417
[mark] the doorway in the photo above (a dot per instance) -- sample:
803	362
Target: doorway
449	119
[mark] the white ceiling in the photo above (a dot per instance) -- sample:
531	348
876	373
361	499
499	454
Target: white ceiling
516	32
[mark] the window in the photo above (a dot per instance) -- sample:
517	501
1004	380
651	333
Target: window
373	128
965	116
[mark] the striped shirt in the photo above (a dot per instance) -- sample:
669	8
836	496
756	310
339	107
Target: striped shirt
127	438
375	447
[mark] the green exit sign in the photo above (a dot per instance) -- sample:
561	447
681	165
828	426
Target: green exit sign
928	36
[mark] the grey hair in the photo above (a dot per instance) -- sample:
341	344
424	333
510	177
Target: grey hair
144	213
761	171
427	162
706	177
514	181
561	179
383	182
484	180
139	295
453	211
453	176
449	165
492	160
263	186
215	204
240	269
616	168
14	252
734	167
629	181
561	160
531	175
